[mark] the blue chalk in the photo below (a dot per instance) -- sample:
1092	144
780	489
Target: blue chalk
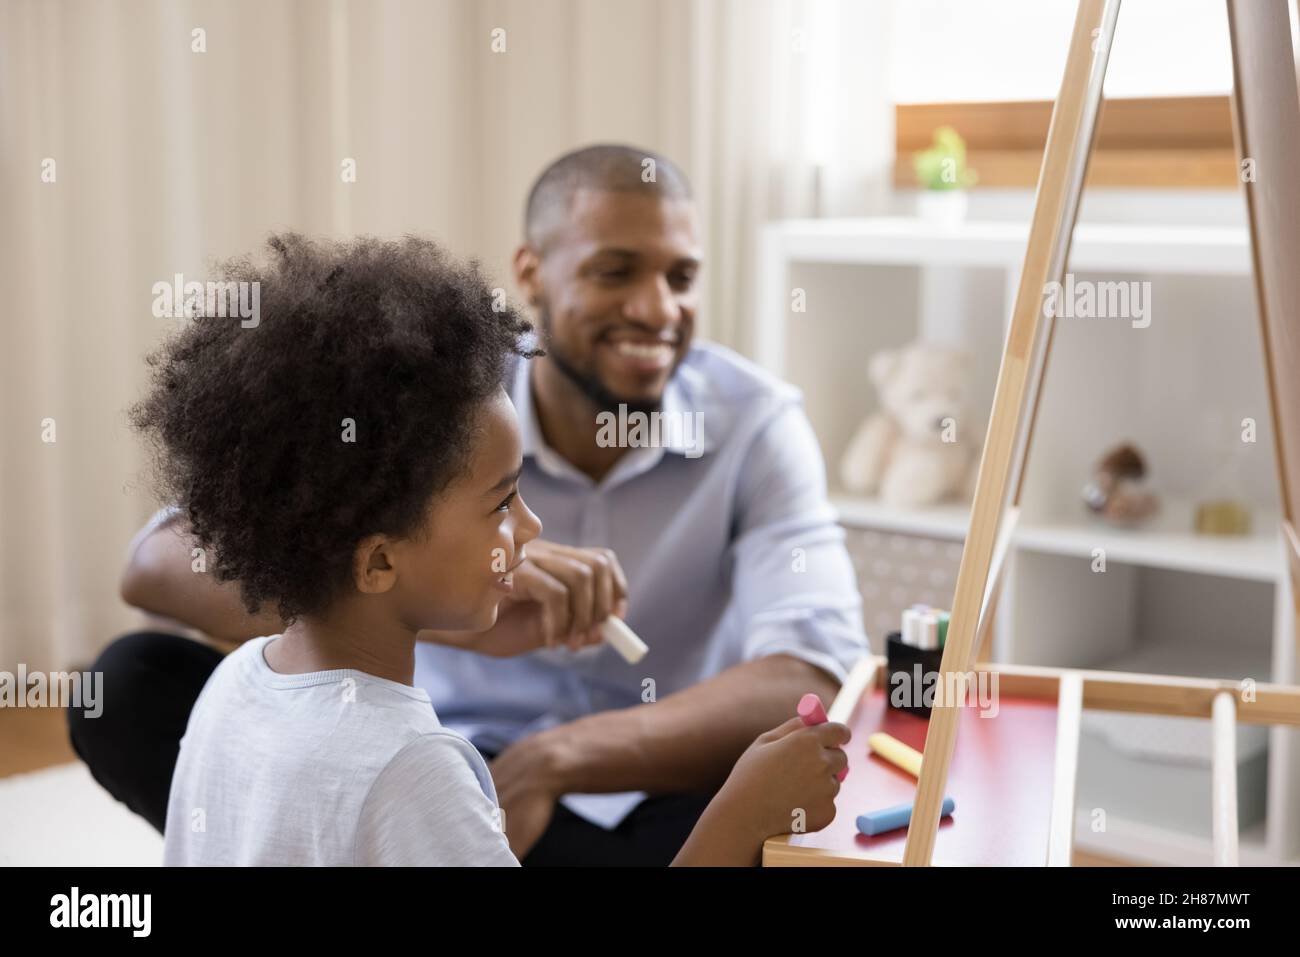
892	818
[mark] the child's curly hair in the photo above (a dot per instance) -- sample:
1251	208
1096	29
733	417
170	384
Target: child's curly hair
247	424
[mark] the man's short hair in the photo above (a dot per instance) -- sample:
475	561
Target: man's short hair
608	167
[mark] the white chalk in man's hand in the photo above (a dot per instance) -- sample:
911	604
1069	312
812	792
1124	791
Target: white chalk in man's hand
623	639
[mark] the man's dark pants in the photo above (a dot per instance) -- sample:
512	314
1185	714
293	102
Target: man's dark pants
151	681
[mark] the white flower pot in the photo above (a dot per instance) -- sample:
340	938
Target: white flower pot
946	207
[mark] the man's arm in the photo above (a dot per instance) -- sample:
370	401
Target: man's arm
561	591
160	578
686	742
689	741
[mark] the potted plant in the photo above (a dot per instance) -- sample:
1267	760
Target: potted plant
943	175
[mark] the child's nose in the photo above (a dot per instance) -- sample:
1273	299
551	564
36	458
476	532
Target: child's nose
529	527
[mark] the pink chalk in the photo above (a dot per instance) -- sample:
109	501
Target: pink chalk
811	711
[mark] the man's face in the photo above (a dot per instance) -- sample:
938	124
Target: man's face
616	294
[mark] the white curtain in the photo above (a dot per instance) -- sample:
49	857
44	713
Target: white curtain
129	154
791	118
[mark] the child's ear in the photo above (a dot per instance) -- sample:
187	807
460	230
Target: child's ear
373	569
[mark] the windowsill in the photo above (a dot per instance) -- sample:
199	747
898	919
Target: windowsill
1149	143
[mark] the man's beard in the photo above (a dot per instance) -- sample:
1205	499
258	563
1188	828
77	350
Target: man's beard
587	383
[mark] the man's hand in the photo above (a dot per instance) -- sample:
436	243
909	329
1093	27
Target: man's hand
575	588
527	791
561	596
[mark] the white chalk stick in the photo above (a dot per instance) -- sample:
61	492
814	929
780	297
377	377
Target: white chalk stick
928	631
912	628
623	639
859	681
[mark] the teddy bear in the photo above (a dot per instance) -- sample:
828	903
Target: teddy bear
920	448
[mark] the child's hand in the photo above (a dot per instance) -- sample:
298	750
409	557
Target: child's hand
785	780
789	769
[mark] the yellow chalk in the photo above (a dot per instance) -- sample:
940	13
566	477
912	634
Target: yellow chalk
896	752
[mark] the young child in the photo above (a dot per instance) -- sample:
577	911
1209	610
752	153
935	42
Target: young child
352	459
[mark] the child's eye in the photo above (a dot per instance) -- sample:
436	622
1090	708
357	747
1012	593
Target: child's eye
505	506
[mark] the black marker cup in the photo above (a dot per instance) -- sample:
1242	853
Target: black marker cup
913	675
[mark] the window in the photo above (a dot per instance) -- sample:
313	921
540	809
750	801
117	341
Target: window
991	69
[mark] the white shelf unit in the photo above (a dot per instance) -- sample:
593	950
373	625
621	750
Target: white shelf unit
1173	600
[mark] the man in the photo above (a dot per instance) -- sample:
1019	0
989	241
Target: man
710	534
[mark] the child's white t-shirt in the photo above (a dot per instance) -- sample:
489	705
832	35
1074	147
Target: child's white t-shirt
327	768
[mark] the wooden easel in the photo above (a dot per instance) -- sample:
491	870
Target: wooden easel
1266	115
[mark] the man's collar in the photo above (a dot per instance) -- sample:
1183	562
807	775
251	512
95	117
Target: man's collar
681	432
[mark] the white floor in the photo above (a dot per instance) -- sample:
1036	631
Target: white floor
61	817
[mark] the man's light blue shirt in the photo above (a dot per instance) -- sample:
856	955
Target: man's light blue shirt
731	549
